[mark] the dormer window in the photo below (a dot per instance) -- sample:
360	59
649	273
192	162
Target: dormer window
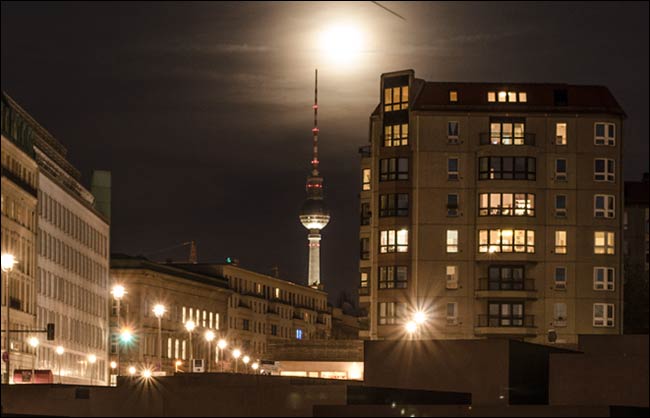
507	96
453	96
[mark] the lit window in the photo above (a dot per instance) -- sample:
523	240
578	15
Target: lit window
364	280
506	204
452	169
396	135
393	277
512	97
277	293
393	241
560	169
604	134
452	241
453	96
603	315
604	278
452	277
501	240
452	131
560	134
298	334
560	242
604	242
365	179
560	206
507	133
560	278
604	206
559	314
491	96
452	313
523	98
503	96
396	98
604	169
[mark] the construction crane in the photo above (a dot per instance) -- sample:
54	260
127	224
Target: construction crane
193	259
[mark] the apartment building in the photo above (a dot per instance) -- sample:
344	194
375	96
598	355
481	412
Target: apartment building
493	208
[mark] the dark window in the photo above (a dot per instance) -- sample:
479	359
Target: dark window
394	205
245	325
507	168
506	278
452	129
561	97
560	205
393	277
365	214
393	169
452	168
452	204
365	248
505	314
274	330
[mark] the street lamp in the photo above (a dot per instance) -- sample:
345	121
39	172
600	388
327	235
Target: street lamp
255	366
221	345
189	326
209	336
92	359
8	262
33	342
159	310
177	365
245	360
118	293
236	354
146	373
59	352
132	370
411	328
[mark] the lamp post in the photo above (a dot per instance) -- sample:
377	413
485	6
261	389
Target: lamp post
118	293
92	359
33	342
236	354
221	346
159	310
411	328
132	371
177	365
255	366
245	360
59	353
209	336
189	326
8	262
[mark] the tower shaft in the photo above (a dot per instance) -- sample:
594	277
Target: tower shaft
314	258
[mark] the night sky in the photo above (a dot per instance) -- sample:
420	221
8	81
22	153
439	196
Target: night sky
202	111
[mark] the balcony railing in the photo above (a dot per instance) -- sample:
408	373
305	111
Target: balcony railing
514	285
485	138
18	181
495	321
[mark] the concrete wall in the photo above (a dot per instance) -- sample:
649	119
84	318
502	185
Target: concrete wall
184	395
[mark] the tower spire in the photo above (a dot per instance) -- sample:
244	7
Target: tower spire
314	161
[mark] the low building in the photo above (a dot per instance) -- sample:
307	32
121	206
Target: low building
186	296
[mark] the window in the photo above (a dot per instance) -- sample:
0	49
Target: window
523	97
560	242
452	169
452	241
560	278
246	325
559	314
393	169
502	96
364	248
452	313
453	96
560	206
560	133
391	312
491	97
452	132
506	132
396	98
507	168
506	204
603	169
452	204
365	179
604	242
364	280
274	330
392	240
393	277
396	135
452	277
505	314
506	240
603	315
604	206
365	214
394	205
604	133
298	334
560	169
604	278
506	278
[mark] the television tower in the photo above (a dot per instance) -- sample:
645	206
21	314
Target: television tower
314	215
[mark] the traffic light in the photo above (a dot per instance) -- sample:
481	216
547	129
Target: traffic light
50	332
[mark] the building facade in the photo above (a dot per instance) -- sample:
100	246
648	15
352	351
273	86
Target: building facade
636	255
185	295
493	208
19	232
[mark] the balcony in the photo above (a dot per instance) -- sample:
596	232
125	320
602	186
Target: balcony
17	180
365	151
489	325
485	138
524	289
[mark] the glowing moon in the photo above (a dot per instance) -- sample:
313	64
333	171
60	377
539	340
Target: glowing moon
341	44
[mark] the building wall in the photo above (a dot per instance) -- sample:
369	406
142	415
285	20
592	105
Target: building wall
427	258
19	226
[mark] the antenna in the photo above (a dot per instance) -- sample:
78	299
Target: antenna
314	161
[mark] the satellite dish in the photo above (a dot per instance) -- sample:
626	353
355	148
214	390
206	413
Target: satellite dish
552	336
